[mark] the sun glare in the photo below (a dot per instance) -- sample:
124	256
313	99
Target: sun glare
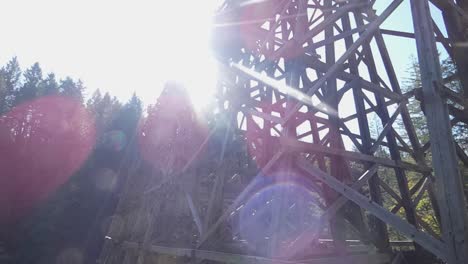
186	52
118	47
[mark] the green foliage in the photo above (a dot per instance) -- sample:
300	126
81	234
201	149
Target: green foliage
73	216
31	86
10	76
50	85
424	208
71	88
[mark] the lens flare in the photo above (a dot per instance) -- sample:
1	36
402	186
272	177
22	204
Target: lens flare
275	215
172	136
259	21
116	140
42	143
106	179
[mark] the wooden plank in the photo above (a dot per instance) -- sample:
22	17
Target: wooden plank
443	4
303	240
449	188
390	191
242	259
356	156
378	227
407	34
346	76
405	116
386	129
195	213
338	166
371	28
335	38
236	202
433	245
413	190
387	121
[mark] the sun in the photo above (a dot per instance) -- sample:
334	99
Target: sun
185	27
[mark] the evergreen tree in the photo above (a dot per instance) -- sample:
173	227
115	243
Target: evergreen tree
3	93
413	82
70	88
129	116
50	85
92	102
53	226
416	109
31	87
10	76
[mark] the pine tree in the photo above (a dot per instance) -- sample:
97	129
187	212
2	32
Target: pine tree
92	102
3	93
50	85
416	108
413	82
129	116
172	133
31	87
10	76
70	88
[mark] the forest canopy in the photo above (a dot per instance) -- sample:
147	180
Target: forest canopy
65	156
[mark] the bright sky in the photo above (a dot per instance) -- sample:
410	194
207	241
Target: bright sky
126	46
116	46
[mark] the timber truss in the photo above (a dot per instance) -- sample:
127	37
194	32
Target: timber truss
301	81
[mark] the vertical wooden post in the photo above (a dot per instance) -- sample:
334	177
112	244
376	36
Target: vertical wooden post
378	228
338	167
382	112
455	26
449	188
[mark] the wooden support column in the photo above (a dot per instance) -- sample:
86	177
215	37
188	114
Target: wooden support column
456	29
383	114
449	188
338	167
430	243
378	228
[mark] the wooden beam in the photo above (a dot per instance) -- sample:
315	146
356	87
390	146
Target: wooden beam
415	189
371	28
433	245
236	202
306	238
386	129
356	156
449	188
444	4
195	213
407	34
244	259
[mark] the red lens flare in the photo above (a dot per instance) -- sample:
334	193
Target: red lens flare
172	136
263	138
42	143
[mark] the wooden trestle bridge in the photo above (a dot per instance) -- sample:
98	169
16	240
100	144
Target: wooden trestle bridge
295	173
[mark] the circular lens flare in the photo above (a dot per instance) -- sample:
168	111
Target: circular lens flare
276	215
42	143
